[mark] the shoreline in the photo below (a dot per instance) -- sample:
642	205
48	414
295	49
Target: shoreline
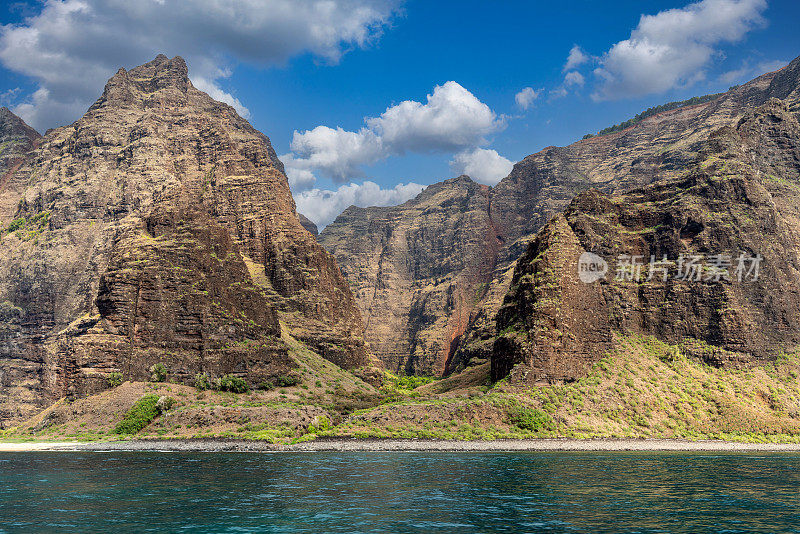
400	445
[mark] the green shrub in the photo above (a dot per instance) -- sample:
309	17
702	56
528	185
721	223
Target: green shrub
202	381
233	384
158	372
266	385
165	404
286	381
321	424
527	418
114	379
139	416
413	382
15	225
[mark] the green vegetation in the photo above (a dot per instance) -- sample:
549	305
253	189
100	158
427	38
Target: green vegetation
28	228
158	373
407	382
321	425
527	418
15	225
202	381
655	111
266	385
114	379
139	416
644	388
288	380
231	383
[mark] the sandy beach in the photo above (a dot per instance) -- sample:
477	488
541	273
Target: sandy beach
221	445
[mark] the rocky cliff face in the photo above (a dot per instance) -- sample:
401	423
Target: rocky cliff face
659	148
158	228
736	203
16	140
417	270
383	264
308	224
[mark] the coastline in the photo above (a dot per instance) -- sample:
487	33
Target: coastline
399	445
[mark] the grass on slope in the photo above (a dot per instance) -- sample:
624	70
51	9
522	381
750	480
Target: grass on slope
644	389
139	416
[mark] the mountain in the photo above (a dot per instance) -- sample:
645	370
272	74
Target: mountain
417	270
308	224
158	228
16	140
734	214
658	148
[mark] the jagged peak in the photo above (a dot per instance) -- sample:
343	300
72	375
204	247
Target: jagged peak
13	125
786	80
463	179
161	73
162	66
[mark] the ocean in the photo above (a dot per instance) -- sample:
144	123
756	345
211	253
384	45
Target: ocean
420	492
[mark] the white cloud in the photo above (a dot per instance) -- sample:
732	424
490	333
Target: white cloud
452	119
574	78
482	165
575	59
215	91
559	92
338	153
672	48
770	66
300	176
736	75
323	206
9	96
526	97
71	47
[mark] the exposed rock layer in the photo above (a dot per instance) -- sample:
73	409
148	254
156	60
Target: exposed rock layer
739	202
417	270
380	257
158	228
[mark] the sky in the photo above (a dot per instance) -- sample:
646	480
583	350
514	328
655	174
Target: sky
368	101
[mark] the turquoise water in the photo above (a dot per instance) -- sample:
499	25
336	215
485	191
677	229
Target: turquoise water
399	492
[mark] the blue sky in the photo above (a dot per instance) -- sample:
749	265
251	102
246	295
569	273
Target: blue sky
309	74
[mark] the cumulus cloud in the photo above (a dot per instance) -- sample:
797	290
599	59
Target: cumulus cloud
338	153
574	78
215	91
672	48
451	119
575	59
71	47
323	206
482	165
526	97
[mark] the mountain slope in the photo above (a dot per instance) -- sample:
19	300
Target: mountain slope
540	186
417	270
158	228
738	202
16	140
